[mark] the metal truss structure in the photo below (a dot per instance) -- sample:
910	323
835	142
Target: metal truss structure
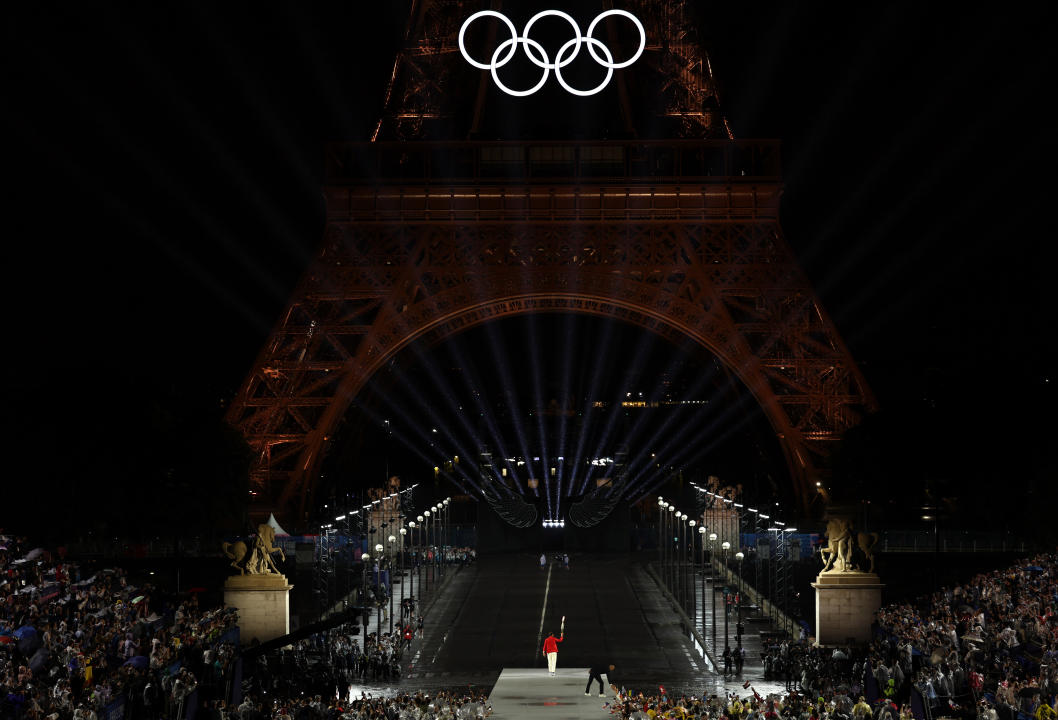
426	239
430	79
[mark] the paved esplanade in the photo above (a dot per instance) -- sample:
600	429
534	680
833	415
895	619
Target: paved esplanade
496	614
486	618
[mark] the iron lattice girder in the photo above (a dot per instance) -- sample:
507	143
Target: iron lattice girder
429	77
728	281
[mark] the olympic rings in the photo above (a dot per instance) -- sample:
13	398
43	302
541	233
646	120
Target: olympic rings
536	53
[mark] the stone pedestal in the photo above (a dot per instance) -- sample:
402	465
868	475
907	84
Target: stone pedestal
845	607
263	602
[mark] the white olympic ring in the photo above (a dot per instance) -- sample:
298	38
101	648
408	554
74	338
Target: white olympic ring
542	60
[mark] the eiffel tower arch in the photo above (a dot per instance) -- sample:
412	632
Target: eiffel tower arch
429	234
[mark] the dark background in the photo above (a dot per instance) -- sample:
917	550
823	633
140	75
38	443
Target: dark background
164	165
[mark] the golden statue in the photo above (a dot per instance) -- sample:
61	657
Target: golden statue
837	555
255	558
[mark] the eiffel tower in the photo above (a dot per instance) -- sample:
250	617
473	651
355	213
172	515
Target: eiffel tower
433	227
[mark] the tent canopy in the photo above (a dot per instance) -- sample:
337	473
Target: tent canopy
275	525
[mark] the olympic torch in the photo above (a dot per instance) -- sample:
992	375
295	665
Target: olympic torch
562	627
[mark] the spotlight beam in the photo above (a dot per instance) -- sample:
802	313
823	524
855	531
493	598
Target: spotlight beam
682	439
474	390
435	420
675	436
631	370
503	365
589	410
534	353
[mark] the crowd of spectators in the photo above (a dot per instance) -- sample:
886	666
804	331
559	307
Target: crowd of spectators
72	646
986	646
451	555
732	706
986	649
327	663
443	705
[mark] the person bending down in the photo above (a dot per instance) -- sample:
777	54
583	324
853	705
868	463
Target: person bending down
595	673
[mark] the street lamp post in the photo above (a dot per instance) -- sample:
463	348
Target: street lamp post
440	555
662	534
661	517
726	546
677	567
425	554
448	529
437	559
712	573
392	545
701	538
683	560
403	534
677	542
694	569
672	527
738	623
365	558
436	546
378	580
414	588
418	558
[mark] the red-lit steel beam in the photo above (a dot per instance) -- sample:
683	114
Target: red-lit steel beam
727	280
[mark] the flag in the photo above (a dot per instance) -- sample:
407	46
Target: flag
745	685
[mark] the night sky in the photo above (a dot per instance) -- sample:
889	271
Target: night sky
164	166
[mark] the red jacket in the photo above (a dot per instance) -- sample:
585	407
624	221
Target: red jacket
551	644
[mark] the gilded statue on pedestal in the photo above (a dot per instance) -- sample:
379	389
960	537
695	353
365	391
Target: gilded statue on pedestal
255	557
837	554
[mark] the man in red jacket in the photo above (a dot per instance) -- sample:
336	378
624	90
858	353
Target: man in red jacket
551	651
